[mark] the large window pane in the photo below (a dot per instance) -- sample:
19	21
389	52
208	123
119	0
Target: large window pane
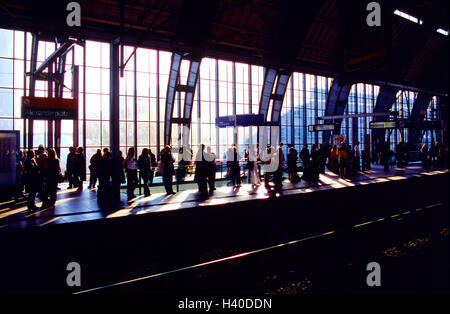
6	102
143	133
6	40
93	133
6	72
93	106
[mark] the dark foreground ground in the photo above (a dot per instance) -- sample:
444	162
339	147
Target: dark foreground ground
319	242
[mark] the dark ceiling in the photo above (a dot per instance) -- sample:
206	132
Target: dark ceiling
303	36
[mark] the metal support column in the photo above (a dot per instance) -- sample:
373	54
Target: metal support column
235	131
293	113
33	63
316	109
385	99
114	112
158	108
59	92
355	128
75	89
24	134
84	97
250	129
305	121
185	116
170	99
336	104
418	112
216	64
50	95
135	103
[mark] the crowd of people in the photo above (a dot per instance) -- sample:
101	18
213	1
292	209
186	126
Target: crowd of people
436	155
41	171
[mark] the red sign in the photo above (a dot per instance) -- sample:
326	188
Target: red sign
49	108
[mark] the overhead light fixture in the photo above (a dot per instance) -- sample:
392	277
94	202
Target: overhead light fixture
408	17
442	31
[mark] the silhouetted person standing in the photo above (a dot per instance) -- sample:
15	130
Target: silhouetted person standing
425	157
32	180
365	157
342	160
324	153
211	169
105	173
41	156
167	169
304	156
245	160
357	157
434	154
333	163
235	170
385	156
278	175
93	167
182	166
201	171
253	172
292	164
121	173
69	167
51	172
268	166
315	162
79	168
350	160
130	165
153	165
144	165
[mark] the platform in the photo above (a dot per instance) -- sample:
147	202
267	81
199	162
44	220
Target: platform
78	206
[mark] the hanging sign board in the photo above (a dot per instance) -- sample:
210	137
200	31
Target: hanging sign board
382	124
241	120
321	127
45	108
